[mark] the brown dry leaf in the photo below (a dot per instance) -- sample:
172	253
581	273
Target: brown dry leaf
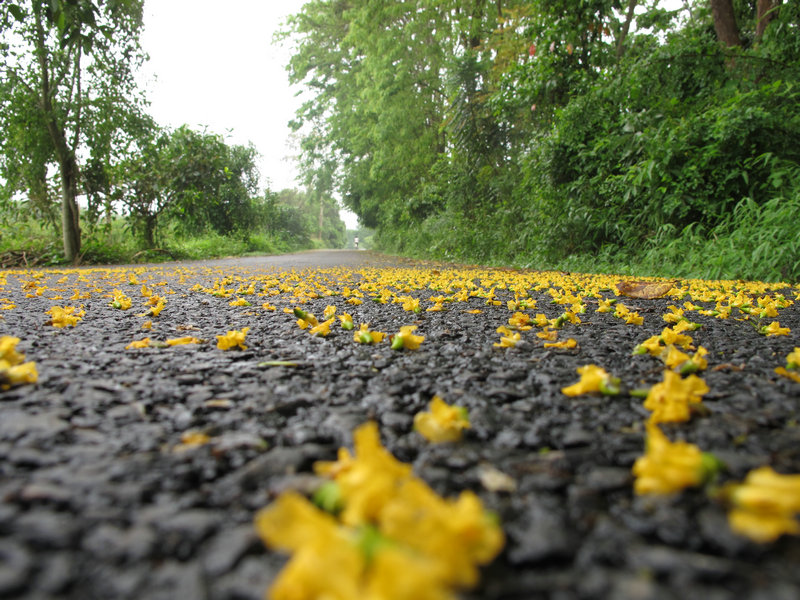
647	290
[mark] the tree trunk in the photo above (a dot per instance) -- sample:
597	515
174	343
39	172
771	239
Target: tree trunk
321	215
766	11
626	28
68	166
725	22
70	222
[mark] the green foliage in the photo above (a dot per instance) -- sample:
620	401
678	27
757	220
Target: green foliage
598	134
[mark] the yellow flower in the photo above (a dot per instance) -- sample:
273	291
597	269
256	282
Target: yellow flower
66	316
325	564
347	321
18	375
120	301
232	339
775	328
566	344
182	341
411	304
593	379
675	315
673	336
145	343
268	306
793	359
147	325
675	357
762	527
696	363
765	505
239	302
508	338
520	321
305	319
323	328
8	351
630	317
367	480
329	311
604	306
670	400
157	304
548	334
443	423
365	336
669	467
405	338
13	369
793	375
651	345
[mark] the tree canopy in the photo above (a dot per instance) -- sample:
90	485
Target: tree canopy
539	132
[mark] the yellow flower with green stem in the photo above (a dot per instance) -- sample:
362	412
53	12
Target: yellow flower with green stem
774	329
406	338
670	401
668	467
305	319
120	301
347	321
593	379
442	422
365	336
392	537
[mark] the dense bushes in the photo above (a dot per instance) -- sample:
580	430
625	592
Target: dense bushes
575	136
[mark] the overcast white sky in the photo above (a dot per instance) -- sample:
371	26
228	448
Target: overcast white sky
213	64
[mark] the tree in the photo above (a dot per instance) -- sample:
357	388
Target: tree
67	56
190	177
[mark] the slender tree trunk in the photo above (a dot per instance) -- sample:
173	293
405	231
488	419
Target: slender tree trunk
67	163
321	215
766	11
70	222
626	28
725	22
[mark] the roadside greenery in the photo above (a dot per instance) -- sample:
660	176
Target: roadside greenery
86	175
578	135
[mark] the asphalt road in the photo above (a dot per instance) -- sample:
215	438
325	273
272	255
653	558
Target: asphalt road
137	472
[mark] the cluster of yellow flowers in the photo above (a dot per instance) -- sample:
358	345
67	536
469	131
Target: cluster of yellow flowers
766	505
405	338
377	532
666	466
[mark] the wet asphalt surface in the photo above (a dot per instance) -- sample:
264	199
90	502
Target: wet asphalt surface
100	499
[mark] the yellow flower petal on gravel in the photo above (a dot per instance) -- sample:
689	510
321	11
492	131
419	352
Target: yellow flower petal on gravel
405	338
183	340
593	379
67	316
566	344
669	467
145	343
442	422
232	339
765	505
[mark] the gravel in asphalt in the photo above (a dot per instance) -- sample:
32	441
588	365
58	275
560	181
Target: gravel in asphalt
101	496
